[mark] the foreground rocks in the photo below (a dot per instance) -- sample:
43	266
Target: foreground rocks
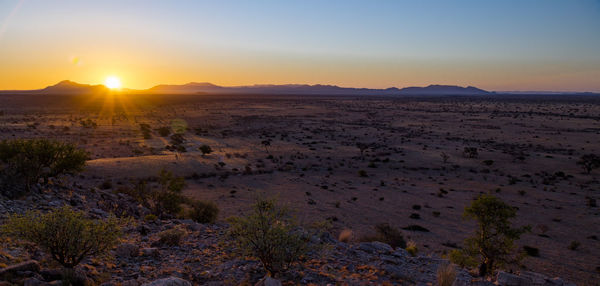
206	256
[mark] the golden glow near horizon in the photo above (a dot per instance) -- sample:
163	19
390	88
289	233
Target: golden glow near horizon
112	82
535	47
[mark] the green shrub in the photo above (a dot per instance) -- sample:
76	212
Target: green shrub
493	242
461	258
164	131
26	161
205	149
589	162
203	212
270	234
150	217
171	237
65	234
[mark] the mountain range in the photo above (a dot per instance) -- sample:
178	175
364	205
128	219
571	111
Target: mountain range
70	87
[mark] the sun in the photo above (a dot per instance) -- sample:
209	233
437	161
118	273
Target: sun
112	82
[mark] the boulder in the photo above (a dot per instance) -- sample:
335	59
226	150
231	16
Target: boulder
150	251
30	265
127	250
375	247
507	279
171	281
268	281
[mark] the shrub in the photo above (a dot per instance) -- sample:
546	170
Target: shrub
362	173
531	251
411	247
171	237
493	241
387	234
168	198
462	258
29	160
204	212
345	236
65	234
270	234
589	162
164	131
205	149
574	245
446	274
150	217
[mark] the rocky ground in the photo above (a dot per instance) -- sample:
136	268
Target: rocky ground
305	150
206	256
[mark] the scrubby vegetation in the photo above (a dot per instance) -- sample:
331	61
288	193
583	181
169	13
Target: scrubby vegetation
589	162
492	244
203	211
270	234
26	161
65	234
387	234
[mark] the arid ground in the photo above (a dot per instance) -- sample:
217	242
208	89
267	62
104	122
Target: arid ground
413	172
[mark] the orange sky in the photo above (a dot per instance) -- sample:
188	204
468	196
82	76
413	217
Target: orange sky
42	43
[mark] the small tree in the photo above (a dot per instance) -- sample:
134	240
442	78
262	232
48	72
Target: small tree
493	242
65	234
29	160
205	149
270	234
589	162
168	198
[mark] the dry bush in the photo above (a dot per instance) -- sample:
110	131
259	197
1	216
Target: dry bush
346	235
387	234
171	237
411	247
271	234
446	274
65	234
203	211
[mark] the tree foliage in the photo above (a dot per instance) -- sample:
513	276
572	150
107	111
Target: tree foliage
492	245
589	162
65	234
270	234
26	161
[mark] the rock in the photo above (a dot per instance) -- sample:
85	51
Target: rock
268	281
171	281
507	279
131	282
33	282
51	274
150	251
30	265
375	247
127	250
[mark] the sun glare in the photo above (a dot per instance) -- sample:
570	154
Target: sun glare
113	82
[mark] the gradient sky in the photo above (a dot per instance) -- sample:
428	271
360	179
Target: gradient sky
495	45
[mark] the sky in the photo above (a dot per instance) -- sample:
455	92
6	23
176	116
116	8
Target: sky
495	45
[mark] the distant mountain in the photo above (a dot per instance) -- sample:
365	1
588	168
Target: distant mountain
443	90
70	87
192	87
317	89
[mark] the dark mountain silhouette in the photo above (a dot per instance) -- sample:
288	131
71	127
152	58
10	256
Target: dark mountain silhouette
70	87
317	89
443	90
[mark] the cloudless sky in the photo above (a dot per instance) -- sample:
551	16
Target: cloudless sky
496	45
